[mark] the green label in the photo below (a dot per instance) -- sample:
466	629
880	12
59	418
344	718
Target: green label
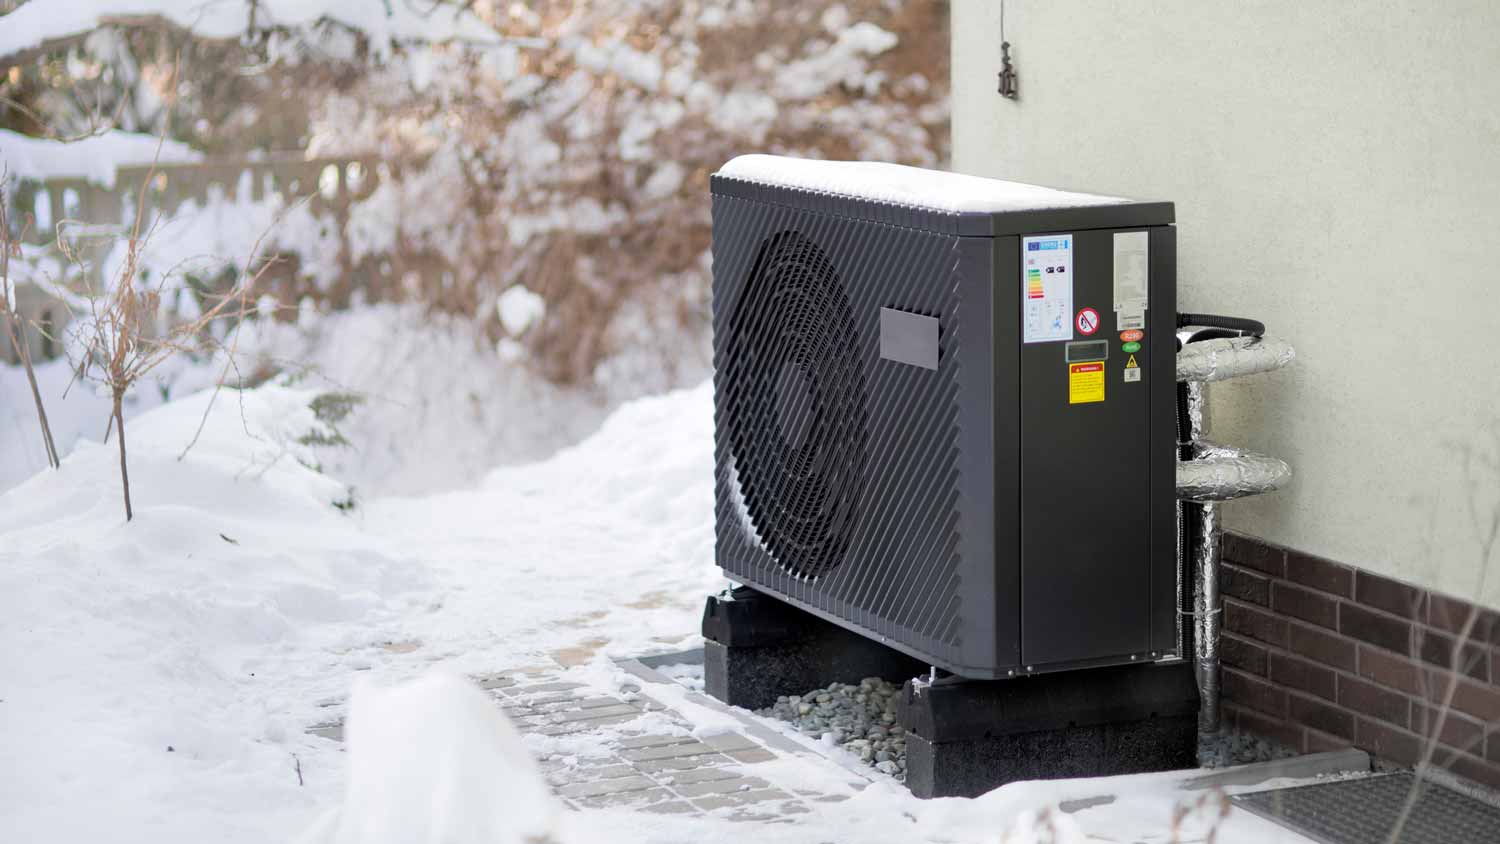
1131	348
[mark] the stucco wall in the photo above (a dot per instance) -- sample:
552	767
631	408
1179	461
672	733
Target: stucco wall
1336	169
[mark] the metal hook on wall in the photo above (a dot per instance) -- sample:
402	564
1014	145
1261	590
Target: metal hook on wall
1008	86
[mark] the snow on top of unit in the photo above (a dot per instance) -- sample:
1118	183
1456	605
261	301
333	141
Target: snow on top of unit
94	158
938	190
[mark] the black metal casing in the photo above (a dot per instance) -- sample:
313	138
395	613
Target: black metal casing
968	514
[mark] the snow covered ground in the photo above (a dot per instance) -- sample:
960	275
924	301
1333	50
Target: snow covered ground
157	678
439	406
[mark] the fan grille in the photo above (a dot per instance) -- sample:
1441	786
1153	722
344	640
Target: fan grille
795	407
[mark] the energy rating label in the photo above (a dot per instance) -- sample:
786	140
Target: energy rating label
1047	288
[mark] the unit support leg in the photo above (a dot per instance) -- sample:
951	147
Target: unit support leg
966	737
758	648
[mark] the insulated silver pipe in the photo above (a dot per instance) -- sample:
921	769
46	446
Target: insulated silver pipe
1222	472
1206	534
1214	473
1207	611
1231	357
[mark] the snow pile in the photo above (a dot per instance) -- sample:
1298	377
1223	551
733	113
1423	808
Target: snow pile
438	408
614	534
434	760
385	23
937	190
94	159
162	672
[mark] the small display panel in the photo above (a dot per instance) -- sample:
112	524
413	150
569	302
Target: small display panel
1088	350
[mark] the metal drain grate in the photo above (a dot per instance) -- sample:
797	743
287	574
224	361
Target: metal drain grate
1365	810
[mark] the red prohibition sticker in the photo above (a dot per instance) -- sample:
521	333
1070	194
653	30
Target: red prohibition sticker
1087	321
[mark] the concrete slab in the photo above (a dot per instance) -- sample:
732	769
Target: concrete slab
1294	767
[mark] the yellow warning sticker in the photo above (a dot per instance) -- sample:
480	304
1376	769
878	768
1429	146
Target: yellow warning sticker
1131	364
1085	382
1132	371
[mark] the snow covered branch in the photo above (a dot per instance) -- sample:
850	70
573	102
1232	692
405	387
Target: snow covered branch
45	25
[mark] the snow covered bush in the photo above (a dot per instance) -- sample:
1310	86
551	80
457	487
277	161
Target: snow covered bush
573	159
543	165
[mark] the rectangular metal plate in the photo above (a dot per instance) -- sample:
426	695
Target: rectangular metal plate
909	338
1363	810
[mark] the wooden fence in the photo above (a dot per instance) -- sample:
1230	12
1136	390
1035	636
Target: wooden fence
88	218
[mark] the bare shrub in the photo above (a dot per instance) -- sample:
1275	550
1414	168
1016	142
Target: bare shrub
15	326
124	335
1212	807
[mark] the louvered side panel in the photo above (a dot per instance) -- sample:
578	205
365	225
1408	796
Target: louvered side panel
846	482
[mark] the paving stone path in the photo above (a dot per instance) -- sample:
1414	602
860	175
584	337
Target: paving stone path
653	764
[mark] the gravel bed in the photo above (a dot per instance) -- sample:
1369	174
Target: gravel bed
862	720
859	718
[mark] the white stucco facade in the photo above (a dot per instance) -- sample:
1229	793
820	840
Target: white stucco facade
1336	170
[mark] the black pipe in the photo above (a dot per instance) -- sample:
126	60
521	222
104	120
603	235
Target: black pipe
1252	327
1184	424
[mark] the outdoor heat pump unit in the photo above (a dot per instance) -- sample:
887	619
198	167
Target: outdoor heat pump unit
945	412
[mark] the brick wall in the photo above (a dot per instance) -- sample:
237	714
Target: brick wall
1320	655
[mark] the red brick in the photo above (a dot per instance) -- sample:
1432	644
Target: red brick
1390	670
1243	654
1323	575
1393	596
1458	731
1366	625
1440	649
1254	623
1275	729
1245	585
1451	615
1321	716
1372	700
1322	646
1252	553
1387	742
1304	676
1469	697
1304	604
1253	693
